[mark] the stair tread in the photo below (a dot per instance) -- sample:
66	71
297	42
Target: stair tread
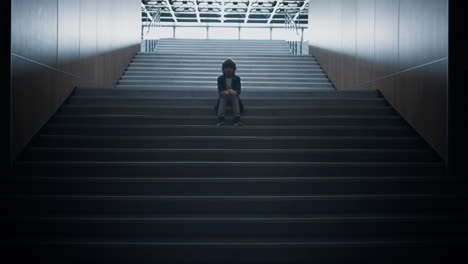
238	197
214	101
236	137
394	127
210	117
110	96
273	164
261	218
252	242
97	149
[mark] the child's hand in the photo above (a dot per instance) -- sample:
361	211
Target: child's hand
231	91
224	93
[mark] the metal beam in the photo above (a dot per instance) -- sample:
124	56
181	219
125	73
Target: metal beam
249	7
182	19
200	12
225	25
164	5
168	5
300	10
274	11
147	12
222	11
197	12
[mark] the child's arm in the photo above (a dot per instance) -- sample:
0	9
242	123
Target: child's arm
238	90
221	89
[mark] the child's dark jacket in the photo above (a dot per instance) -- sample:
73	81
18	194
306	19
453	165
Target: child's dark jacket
236	86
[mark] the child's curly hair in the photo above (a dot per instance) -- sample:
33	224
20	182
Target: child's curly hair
229	64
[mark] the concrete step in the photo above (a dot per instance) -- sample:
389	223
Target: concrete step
221	45
213	82
226	45
222	57
148	76
246	93
200	185
212	66
234	42
204	154
239	64
271	89
224	52
214	48
209	110
250	130
254	120
212	74
188	228
218	60
210	101
217	67
236	169
210	251
216	71
220	42
273	74
266	205
227	41
240	142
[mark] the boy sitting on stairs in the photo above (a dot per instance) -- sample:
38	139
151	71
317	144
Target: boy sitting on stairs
229	88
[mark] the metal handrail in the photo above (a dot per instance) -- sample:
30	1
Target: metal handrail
295	39
150	38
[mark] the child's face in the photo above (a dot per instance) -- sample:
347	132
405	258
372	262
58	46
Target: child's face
228	71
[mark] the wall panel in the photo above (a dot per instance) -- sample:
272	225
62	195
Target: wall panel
397	46
61	44
34	30
422	95
88	42
69	35
347	75
104	40
31	98
334	42
364	40
386	37
423	32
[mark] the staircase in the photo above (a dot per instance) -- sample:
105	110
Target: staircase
141	174
223	47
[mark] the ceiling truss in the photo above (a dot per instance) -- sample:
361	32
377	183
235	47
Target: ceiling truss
226	11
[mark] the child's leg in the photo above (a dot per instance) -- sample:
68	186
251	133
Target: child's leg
235	106
221	106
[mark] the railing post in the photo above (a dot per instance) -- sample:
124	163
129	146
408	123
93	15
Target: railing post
149	38
302	38
294	37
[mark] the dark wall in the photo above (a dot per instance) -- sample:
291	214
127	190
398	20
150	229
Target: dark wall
61	44
397	46
5	32
458	72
